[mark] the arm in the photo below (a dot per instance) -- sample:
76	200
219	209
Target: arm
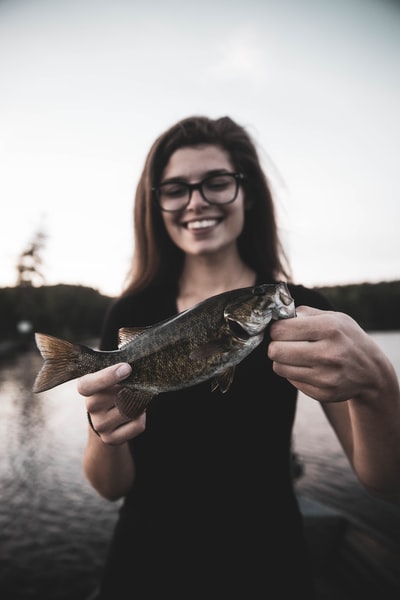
328	357
107	461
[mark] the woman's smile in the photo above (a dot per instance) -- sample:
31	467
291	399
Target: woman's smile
202	227
202	223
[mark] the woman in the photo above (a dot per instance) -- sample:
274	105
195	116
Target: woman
209	508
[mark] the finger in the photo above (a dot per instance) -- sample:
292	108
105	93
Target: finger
309	390
297	354
321	394
125	431
309	324
309	311
105	378
106	418
301	373
103	401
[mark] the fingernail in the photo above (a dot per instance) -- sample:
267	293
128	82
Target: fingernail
123	371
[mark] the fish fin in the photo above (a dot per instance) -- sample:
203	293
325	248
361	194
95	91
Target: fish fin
127	334
61	362
211	349
132	403
224	380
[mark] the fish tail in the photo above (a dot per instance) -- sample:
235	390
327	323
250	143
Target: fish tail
61	362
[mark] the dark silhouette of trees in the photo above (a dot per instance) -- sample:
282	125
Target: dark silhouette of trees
77	312
70	311
375	306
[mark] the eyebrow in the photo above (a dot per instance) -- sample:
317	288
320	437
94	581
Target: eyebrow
211	173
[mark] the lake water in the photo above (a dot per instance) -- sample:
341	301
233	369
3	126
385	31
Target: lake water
328	476
54	528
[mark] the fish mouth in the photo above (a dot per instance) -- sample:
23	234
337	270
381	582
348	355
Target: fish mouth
202	223
238	331
282	305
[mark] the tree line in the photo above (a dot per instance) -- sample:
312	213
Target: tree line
72	312
375	306
77	312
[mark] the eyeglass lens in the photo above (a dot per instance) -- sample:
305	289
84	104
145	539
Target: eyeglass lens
217	189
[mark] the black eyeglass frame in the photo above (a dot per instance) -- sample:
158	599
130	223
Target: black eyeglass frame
239	177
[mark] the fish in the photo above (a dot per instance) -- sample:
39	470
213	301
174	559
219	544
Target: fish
205	342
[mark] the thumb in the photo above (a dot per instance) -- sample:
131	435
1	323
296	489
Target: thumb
308	311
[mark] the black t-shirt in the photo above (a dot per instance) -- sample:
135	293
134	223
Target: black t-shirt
212	511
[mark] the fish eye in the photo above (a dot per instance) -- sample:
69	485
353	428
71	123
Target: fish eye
237	330
258	290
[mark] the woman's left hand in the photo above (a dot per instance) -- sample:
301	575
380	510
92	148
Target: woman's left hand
325	354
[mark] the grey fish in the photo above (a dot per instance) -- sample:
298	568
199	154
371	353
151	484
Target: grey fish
205	342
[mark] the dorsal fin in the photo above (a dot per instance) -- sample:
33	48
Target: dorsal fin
127	334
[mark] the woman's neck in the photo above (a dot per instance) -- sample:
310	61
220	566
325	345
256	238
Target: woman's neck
205	276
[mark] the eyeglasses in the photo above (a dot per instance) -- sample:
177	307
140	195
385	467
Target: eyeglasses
223	188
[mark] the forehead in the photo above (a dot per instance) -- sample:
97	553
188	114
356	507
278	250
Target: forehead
195	161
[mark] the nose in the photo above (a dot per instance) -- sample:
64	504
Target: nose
196	200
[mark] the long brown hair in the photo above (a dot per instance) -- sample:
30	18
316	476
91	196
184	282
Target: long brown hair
156	259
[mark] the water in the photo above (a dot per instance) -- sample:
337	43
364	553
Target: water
328	476
54	528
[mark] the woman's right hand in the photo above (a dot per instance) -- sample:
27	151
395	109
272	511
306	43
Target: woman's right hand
100	390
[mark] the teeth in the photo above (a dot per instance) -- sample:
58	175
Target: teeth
201	224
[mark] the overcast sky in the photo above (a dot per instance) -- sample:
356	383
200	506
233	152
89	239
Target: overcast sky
86	86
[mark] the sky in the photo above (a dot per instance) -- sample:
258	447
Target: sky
87	85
